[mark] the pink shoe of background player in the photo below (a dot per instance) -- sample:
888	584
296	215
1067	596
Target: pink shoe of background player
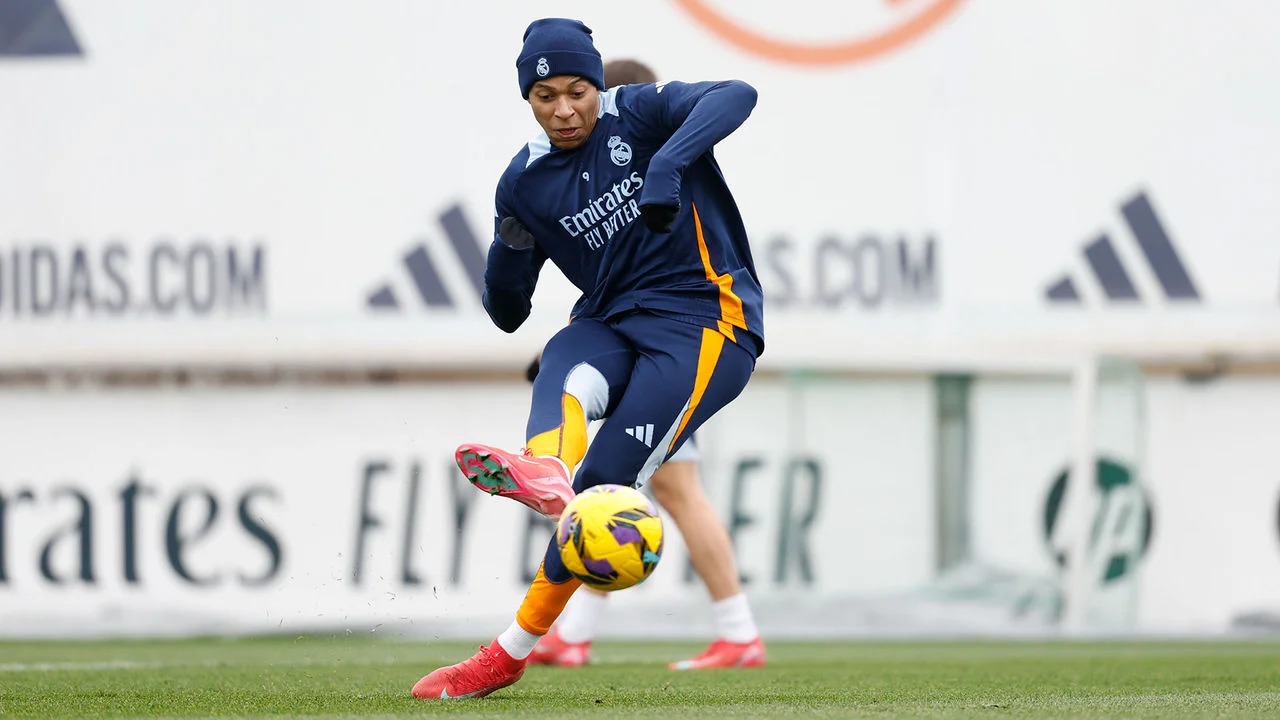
725	654
553	650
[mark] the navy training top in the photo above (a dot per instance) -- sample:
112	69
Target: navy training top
652	144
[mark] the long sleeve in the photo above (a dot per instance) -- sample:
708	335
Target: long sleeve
705	113
511	273
510	277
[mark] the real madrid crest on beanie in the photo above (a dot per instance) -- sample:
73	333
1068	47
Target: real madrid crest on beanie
558	46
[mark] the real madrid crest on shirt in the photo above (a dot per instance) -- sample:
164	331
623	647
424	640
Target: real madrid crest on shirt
543	67
619	151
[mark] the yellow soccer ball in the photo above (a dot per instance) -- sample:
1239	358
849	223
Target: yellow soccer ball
610	537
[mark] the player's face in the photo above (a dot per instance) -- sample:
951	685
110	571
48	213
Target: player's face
566	107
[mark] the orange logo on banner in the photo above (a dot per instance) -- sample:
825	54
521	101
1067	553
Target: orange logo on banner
828	53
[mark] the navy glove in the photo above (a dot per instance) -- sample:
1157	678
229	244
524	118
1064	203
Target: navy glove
516	235
658	218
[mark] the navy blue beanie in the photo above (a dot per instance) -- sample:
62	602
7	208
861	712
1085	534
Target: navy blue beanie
556	46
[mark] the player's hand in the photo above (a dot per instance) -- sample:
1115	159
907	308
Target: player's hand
516	235
658	218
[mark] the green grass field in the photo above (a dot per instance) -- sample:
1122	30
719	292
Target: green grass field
340	677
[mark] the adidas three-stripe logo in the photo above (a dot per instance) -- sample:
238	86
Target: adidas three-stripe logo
1109	270
643	433
425	274
34	28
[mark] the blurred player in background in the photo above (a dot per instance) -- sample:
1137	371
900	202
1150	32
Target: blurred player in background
677	488
622	193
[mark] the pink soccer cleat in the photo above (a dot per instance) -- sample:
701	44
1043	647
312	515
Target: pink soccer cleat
553	650
725	654
540	482
488	670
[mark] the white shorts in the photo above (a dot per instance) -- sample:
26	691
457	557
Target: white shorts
688	452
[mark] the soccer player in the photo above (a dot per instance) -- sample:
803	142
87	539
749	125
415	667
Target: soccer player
677	488
621	191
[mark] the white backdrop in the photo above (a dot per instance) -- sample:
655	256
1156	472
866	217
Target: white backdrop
827	487
252	175
235	182
304	457
1204	457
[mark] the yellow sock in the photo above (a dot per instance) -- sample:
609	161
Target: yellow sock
568	440
544	602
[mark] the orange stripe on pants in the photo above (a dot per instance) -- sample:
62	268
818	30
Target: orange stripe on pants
568	440
544	602
708	357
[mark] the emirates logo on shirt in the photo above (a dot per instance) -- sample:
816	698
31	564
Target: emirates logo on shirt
603	217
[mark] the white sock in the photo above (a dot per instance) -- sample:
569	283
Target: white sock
733	619
517	641
581	618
